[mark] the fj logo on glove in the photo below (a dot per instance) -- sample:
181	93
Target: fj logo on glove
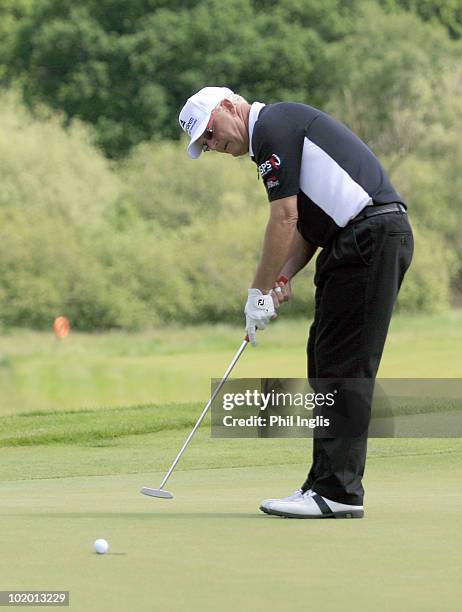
259	310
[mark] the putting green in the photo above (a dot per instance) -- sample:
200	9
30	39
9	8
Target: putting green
211	549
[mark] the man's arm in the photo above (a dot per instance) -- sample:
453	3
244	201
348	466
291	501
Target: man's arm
300	253
279	237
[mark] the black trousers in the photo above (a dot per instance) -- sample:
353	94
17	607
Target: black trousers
358	276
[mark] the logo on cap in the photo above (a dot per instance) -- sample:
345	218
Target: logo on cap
190	125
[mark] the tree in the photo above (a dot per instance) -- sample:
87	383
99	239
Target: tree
446	12
383	84
11	14
127	67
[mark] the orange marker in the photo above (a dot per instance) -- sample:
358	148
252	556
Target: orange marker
61	327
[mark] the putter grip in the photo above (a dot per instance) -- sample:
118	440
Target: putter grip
281	279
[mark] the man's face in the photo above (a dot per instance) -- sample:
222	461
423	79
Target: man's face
227	131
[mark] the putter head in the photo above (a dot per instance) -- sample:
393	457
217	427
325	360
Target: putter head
156	493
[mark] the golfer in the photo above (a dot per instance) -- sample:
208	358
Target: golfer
327	191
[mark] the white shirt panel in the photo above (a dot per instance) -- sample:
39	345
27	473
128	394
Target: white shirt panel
330	186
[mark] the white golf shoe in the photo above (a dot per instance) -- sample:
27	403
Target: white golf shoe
266	503
311	505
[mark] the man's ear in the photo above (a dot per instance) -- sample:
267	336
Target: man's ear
228	105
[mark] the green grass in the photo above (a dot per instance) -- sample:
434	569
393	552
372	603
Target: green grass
210	548
104	426
93	426
87	422
37	372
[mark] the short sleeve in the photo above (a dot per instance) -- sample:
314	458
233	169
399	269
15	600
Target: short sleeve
277	143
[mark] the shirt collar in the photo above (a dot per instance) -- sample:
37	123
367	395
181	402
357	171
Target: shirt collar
253	116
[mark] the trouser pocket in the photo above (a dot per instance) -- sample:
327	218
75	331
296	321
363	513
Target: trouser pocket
364	242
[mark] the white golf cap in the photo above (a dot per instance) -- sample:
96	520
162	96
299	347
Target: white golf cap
195	114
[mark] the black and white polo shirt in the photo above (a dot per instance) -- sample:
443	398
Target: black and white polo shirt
299	150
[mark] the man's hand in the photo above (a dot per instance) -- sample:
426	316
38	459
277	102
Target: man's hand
281	293
259	310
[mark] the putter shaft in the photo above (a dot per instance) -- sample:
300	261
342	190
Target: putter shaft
202	416
204	412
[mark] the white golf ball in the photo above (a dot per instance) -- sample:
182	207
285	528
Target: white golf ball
101	546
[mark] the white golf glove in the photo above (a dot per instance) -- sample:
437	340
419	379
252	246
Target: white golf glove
259	311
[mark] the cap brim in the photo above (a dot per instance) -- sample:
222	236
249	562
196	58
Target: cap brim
194	148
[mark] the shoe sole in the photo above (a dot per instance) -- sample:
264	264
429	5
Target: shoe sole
343	514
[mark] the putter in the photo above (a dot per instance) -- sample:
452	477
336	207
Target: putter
161	492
